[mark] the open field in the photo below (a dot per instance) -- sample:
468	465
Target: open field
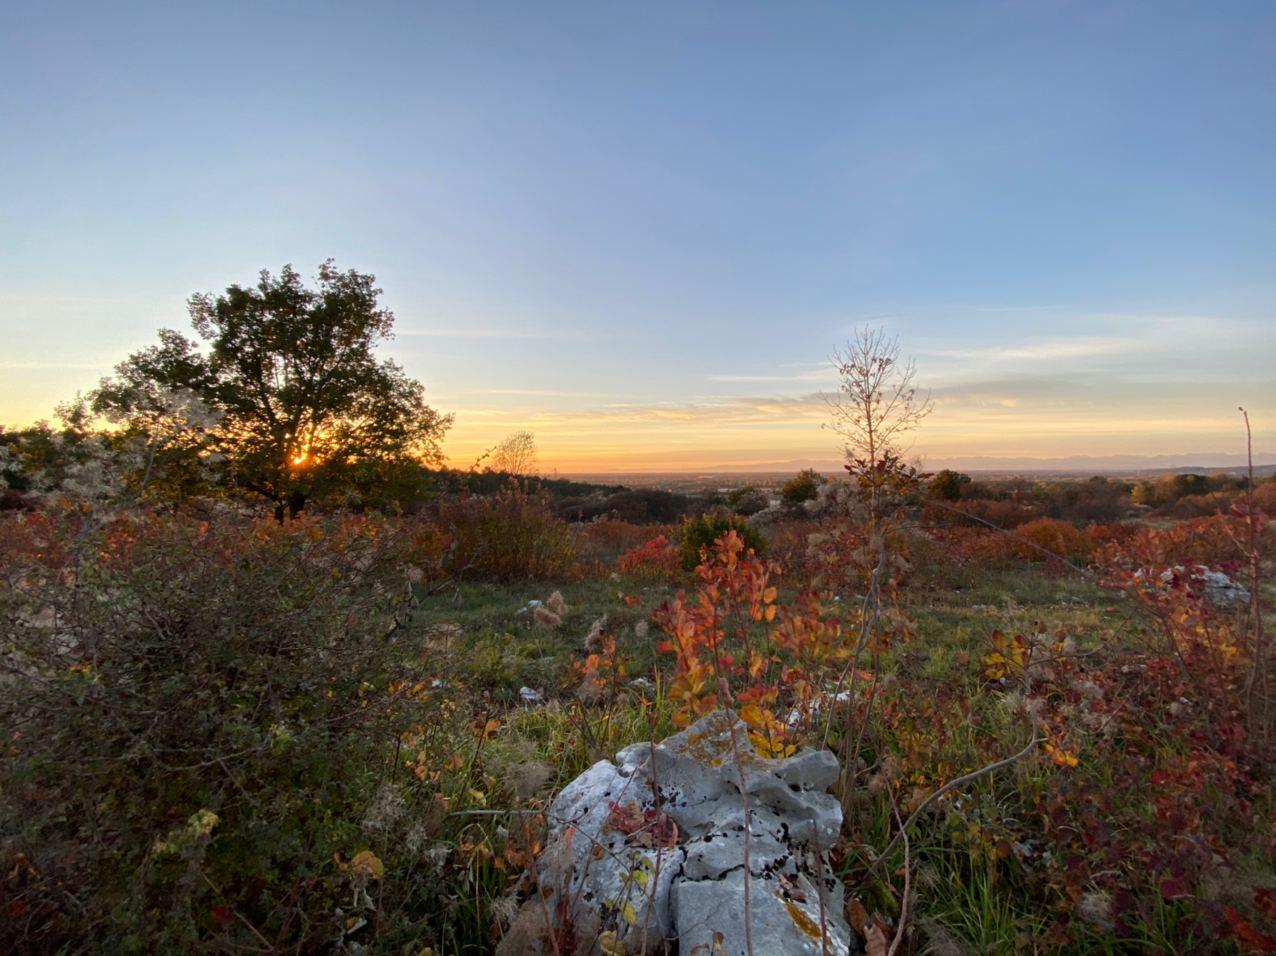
236	734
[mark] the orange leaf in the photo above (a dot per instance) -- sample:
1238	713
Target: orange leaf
857	916
875	942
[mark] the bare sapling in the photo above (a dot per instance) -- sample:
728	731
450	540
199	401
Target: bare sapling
875	408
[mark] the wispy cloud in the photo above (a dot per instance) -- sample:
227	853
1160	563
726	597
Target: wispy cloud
1047	351
545	393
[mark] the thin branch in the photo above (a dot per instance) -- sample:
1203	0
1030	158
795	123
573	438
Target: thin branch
960	782
908	883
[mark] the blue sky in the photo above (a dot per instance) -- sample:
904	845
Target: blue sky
639	229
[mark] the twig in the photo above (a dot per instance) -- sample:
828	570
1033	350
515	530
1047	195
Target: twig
959	782
1084	572
908	883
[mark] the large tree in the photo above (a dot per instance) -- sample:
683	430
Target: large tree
303	404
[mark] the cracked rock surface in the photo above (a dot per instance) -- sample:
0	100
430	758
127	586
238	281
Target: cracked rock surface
650	848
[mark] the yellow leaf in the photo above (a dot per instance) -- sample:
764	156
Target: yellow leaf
609	945
802	921
630	914
752	715
369	864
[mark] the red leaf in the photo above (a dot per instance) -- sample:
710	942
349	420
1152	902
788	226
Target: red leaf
1265	900
1247	937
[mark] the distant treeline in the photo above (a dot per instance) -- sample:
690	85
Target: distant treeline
1010	502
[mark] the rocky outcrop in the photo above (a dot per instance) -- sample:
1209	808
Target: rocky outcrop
1215	586
652	848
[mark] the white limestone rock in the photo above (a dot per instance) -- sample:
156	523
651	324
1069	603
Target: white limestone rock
651	848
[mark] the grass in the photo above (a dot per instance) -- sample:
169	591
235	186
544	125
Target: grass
500	650
971	896
462	749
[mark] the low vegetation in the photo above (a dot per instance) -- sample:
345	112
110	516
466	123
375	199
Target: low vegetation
232	733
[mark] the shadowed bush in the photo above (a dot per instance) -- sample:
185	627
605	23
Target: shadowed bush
509	536
701	533
195	731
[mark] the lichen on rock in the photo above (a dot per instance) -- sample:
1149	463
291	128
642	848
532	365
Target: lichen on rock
650	848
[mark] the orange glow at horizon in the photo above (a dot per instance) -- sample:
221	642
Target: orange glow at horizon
776	436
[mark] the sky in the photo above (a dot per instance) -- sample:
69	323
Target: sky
640	230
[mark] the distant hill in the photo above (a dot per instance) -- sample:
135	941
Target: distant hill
770	472
1108	464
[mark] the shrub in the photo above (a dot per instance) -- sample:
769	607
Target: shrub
1265	497
699	534
1199	506
607	538
984	548
636	505
1002	513
201	721
510	536
789	544
1057	537
1213	542
747	501
803	486
948	484
657	558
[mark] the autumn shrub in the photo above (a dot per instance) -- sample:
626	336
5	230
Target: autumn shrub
607	538
736	645
1102	536
1000	513
36	539
1174	783
1141	819
657	558
1265	497
1213	542
697	535
789	543
940	562
1199	506
198	719
982	548
1044	538
509	536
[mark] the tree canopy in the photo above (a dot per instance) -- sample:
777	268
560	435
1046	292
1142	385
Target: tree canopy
300	403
